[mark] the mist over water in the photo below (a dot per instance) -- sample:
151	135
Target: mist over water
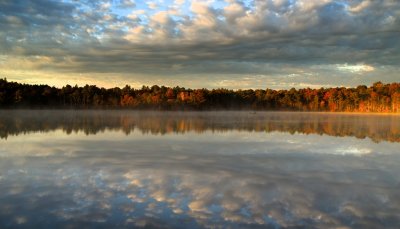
373	126
198	170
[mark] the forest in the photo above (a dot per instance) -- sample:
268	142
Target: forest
378	97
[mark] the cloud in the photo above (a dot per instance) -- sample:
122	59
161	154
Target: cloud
127	3
198	180
356	68
124	36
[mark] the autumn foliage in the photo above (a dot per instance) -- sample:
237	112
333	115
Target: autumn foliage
377	98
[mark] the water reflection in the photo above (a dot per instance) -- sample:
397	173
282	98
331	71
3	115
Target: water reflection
232	175
376	127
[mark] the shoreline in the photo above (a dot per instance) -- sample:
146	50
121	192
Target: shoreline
198	111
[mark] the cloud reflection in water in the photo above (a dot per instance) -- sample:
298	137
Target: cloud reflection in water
238	179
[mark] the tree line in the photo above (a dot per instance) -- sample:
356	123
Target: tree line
379	97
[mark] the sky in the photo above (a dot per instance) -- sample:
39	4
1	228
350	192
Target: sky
232	44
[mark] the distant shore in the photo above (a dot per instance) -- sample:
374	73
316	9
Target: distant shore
379	98
174	112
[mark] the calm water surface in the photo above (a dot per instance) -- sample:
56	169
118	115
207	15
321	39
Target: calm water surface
92	169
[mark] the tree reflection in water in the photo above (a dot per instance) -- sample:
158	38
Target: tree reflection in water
376	127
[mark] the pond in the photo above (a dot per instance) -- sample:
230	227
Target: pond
130	169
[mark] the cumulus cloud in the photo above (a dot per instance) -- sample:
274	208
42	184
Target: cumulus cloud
148	40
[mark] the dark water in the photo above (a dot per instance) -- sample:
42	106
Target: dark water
115	169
